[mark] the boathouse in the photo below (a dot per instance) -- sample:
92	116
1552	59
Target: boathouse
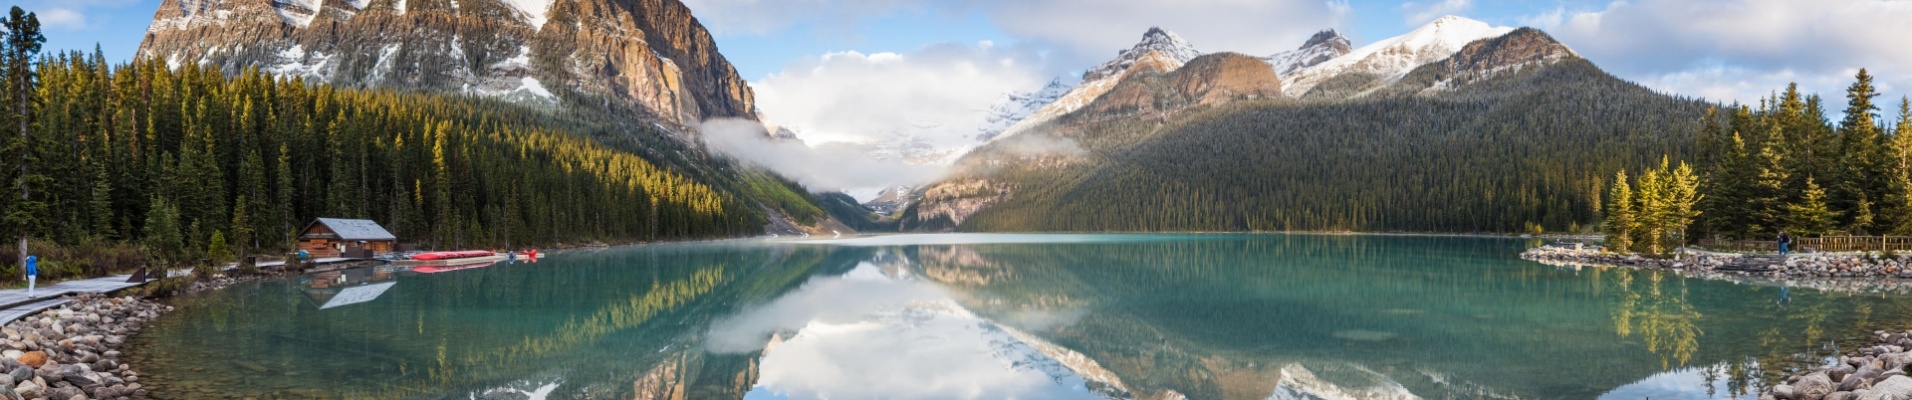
335	237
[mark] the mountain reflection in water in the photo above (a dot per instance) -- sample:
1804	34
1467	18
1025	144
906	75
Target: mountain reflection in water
1007	316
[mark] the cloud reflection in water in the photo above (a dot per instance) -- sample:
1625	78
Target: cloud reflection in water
871	334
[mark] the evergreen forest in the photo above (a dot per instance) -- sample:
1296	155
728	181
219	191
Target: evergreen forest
1531	151
189	162
1783	164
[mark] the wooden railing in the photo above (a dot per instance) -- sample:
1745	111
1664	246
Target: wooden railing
1816	244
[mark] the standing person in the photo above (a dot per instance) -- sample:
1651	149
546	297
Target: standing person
1785	243
33	273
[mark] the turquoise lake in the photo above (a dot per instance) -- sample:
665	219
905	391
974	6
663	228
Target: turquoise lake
992	316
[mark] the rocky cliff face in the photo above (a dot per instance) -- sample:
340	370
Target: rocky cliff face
1207	80
650	56
1521	49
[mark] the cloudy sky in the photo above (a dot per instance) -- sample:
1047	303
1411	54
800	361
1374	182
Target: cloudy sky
862	69
874	69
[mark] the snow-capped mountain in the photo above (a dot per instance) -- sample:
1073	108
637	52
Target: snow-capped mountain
1159	50
1323	46
1016	106
650	57
890	200
1390	59
1156	40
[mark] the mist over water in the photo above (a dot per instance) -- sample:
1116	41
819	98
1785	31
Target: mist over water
830	168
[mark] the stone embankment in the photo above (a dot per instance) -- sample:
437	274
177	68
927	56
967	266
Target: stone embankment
1876	372
72	352
1814	265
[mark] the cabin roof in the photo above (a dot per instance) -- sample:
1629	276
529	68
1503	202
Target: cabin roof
354	229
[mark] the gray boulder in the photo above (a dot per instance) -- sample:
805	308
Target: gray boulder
1893	388
1813	386
1853	382
1839	371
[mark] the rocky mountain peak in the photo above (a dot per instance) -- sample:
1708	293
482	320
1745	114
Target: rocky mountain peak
649	57
1521	49
1323	46
1390	59
1329	39
1156	40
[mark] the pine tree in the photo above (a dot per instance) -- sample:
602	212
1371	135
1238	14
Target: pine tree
282	209
100	204
1620	215
1766	198
162	231
1729	186
1902	176
1683	195
242	226
1654	208
1810	217
1861	154
217	249
23	40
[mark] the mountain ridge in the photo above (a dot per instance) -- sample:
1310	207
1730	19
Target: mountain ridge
1131	165
649	56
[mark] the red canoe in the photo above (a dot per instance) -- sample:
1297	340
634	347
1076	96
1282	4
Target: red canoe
434	270
450	255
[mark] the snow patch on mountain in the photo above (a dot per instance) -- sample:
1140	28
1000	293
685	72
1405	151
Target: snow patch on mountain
1157	46
1014	107
532	86
192	13
297	12
295	62
358	4
398	7
1155	40
1394	57
532	12
517	62
1325	45
383	67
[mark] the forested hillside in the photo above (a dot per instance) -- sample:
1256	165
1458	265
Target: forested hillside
1524	150
1784	165
176	158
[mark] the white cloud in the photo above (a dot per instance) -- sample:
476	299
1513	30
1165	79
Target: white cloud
62	18
1419	13
1092	31
1739	50
939	93
826	169
760	17
1083	32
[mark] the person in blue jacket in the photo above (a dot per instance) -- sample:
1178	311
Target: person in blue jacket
33	273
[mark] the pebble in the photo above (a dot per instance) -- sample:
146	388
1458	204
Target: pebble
73	349
1821	271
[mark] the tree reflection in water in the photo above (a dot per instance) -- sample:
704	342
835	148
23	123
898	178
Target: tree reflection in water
1664	318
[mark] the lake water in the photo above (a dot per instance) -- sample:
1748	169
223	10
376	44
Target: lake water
1007	316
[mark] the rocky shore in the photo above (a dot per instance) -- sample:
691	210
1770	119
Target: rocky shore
1814	265
71	352
1868	373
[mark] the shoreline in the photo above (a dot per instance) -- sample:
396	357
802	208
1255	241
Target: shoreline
1873	372
1796	265
76	350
